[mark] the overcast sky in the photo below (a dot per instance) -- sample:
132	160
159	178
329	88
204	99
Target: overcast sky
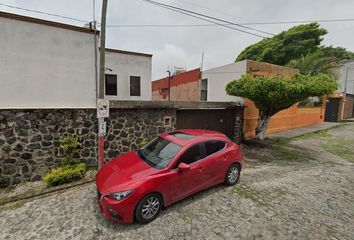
183	47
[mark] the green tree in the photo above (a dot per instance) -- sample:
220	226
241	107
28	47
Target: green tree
292	44
320	61
273	94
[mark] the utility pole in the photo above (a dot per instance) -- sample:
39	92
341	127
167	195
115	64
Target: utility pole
169	85
102	48
101	123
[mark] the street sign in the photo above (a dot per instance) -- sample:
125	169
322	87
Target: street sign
102	128
102	108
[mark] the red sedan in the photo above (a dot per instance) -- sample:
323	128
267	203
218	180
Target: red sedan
137	184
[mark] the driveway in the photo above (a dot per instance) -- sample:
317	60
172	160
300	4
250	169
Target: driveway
302	189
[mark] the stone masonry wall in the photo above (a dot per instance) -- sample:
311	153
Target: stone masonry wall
29	139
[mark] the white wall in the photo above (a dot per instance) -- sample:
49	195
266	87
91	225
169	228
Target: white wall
45	67
126	65
347	68
219	77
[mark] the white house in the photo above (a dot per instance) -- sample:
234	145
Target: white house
45	64
346	78
216	79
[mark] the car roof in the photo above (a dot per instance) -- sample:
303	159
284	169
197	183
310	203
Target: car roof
196	135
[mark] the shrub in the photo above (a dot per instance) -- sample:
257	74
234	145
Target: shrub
69	161
69	144
65	174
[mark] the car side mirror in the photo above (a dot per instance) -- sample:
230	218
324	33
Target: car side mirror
183	167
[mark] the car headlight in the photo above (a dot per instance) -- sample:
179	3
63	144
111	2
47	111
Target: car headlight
120	195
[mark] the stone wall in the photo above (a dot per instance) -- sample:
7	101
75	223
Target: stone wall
29	139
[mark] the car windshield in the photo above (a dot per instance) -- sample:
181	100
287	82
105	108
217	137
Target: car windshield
159	152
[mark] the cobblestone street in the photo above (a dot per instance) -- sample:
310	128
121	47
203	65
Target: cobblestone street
303	191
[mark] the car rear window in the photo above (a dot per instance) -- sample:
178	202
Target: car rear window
182	136
213	147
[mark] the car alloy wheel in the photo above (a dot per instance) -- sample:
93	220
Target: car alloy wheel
232	175
148	208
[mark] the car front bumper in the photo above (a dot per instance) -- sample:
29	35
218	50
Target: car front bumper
117	211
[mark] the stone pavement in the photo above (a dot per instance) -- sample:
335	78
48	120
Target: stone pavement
277	198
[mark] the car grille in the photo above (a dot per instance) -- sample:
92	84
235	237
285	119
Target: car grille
99	195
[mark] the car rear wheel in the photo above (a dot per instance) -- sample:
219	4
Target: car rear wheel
232	175
148	208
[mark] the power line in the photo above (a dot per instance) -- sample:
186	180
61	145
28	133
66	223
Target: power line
213	25
185	12
44	13
207	16
211	9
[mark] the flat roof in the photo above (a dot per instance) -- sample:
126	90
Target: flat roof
128	52
45	22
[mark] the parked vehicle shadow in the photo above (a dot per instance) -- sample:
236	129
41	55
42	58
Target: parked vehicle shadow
176	207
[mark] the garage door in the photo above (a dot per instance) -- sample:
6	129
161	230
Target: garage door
221	120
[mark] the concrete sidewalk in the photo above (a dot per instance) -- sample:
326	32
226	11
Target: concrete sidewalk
304	130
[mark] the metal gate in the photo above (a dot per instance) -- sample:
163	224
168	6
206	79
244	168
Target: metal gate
221	120
332	108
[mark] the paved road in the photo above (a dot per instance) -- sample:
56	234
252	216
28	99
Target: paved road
308	194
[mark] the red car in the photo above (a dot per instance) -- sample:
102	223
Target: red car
137	184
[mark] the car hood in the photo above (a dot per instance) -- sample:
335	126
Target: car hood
123	173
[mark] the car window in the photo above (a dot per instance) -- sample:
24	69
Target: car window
213	147
159	152
191	155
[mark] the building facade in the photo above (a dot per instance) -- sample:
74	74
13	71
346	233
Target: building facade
184	86
209	85
47	64
340	105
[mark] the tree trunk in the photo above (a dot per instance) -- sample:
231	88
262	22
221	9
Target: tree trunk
262	125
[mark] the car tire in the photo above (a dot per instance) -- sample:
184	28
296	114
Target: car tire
232	174
148	208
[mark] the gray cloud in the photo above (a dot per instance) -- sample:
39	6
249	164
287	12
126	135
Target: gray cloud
183	47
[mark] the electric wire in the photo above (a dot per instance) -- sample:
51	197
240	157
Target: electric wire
44	13
204	16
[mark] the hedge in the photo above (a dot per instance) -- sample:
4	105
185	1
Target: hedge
65	174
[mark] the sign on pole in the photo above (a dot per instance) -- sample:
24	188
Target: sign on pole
102	128
102	108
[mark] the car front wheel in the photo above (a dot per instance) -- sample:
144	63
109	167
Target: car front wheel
232	175
148	208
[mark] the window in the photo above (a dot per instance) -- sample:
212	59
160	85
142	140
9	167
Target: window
192	155
167	121
182	136
134	86
111	84
159	152
204	90
213	147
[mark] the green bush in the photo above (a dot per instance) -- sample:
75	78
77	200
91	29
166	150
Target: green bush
69	161
64	174
69	144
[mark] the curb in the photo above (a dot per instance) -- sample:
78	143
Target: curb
46	191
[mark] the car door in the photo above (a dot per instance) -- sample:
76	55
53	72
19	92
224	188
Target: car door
214	162
189	181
